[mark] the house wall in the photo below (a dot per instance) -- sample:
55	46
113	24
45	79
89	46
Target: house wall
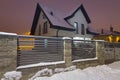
79	17
39	29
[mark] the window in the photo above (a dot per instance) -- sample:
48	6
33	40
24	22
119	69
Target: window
45	30
76	27
39	29
82	29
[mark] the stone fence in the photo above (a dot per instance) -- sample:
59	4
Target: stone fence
8	52
8	56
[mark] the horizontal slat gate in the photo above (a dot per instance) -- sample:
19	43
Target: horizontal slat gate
33	50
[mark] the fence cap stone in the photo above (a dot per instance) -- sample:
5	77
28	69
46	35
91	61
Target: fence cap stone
66	38
5	33
99	40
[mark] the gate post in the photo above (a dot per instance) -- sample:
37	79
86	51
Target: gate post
100	53
67	52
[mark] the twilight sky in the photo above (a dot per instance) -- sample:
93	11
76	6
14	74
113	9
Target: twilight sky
17	15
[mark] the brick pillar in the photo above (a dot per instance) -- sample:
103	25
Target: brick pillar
67	52
100	54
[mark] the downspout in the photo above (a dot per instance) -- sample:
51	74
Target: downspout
57	33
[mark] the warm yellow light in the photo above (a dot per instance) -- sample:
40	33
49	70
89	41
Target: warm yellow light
110	38
117	38
27	33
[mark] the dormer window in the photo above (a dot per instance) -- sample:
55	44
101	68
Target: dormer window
76	27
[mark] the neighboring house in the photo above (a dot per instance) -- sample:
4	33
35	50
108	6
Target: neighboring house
108	35
49	22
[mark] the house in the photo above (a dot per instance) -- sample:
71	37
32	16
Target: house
49	22
108	35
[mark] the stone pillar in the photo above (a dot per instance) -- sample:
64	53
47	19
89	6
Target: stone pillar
67	52
8	52
100	53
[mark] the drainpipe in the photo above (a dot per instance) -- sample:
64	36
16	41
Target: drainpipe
57	33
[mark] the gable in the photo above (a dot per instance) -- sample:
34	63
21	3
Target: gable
54	17
35	20
83	11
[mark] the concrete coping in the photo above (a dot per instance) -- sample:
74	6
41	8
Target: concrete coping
66	38
7	34
100	41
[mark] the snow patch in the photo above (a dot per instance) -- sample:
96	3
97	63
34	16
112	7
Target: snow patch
103	72
58	70
5	33
43	72
79	60
115	65
40	64
12	75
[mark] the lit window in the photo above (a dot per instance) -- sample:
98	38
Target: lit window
76	27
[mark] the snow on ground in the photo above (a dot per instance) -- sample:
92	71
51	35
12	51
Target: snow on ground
43	72
12	75
103	72
115	65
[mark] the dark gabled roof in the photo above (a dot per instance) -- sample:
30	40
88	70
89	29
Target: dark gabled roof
108	32
35	20
81	7
92	31
56	18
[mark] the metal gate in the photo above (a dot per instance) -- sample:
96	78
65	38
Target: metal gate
36	49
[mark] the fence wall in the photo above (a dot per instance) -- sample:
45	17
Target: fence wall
8	52
39	49
64	51
112	52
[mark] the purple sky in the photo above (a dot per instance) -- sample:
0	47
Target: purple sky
17	15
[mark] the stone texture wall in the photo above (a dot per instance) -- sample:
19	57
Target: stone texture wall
8	53
67	52
117	54
8	56
100	53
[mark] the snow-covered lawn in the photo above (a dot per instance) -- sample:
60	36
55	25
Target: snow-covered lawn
103	72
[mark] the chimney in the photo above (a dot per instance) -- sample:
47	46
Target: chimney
102	31
111	29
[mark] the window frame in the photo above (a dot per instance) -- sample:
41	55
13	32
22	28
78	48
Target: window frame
76	27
